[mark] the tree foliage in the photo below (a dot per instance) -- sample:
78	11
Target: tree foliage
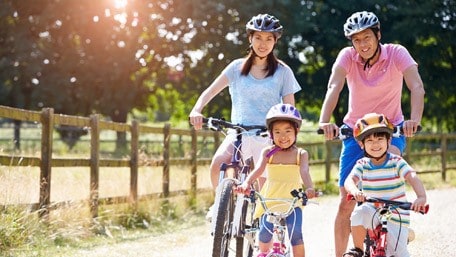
115	56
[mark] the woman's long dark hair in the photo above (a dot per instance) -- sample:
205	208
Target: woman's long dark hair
272	62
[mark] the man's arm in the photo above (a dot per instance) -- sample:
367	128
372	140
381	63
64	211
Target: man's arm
415	85
335	85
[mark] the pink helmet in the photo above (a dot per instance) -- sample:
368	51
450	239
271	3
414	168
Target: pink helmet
283	112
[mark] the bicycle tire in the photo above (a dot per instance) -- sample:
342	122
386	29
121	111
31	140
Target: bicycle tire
223	220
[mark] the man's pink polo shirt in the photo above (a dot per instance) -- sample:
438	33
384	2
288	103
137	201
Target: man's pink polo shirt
378	88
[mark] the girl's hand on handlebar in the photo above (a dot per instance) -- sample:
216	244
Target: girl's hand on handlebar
330	130
196	119
410	127
310	192
243	188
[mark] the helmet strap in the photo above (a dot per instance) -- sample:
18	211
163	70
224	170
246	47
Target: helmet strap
274	150
367	64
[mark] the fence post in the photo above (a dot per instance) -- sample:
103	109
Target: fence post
194	165
94	164
328	160
443	146
47	126
134	163
166	145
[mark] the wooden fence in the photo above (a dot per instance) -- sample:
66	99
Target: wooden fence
46	162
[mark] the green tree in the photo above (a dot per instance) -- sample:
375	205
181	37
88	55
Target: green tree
88	56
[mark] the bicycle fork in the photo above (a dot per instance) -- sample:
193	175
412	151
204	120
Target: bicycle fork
240	209
379	236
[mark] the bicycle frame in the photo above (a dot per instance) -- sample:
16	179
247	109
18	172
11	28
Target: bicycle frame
376	238
229	208
280	247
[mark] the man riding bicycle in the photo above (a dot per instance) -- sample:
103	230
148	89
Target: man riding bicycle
374	73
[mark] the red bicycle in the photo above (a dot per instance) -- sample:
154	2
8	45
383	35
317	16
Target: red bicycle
375	242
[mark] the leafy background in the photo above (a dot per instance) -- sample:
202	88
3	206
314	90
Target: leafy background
151	59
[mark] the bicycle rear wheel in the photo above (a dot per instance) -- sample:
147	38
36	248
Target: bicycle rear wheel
223	223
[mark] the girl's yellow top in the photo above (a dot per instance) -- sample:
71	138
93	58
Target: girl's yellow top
280	181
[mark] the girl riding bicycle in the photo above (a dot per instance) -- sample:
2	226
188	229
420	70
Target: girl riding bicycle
287	167
382	175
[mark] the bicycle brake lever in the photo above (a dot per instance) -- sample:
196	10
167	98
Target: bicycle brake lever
211	125
263	133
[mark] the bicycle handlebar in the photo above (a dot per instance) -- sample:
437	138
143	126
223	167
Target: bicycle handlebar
398	204
348	132
219	124
298	194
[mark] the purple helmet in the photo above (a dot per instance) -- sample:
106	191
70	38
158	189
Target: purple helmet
283	112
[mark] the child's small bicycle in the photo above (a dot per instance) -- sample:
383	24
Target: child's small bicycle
281	246
375	242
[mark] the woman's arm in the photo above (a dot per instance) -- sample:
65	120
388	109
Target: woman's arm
196	118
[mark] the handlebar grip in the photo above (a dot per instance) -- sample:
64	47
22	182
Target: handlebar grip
426	209
401	129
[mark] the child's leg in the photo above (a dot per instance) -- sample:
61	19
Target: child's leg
396	232
294	227
265	235
358	236
299	251
361	218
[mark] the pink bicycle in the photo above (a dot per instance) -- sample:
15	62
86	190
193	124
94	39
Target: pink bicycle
281	246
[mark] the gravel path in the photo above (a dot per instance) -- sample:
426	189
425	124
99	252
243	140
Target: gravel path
435	234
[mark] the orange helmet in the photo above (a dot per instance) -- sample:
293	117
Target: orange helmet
372	123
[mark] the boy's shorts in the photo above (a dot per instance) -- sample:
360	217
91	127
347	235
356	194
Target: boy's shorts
363	215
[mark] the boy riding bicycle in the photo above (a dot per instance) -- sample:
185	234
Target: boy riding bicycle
287	167
382	175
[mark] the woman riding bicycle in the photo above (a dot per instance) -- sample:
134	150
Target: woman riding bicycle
256	83
382	175
287	168
374	73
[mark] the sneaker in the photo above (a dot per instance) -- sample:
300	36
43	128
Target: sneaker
209	213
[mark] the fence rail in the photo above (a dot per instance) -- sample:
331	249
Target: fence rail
48	120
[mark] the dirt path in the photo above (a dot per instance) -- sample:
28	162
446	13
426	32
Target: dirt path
435	234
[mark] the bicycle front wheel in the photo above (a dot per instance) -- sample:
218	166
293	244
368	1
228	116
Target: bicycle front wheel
223	220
